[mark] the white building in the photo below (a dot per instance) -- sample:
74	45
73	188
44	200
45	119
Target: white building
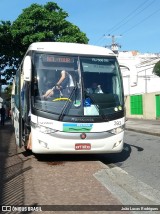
141	86
137	74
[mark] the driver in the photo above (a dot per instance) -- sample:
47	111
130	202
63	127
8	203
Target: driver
61	85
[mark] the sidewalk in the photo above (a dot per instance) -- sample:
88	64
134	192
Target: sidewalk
151	127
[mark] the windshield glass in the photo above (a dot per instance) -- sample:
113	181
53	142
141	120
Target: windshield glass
102	85
56	83
75	85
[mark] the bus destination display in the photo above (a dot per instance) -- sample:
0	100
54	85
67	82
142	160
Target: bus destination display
60	59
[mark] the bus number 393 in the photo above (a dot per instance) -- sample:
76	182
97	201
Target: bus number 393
117	123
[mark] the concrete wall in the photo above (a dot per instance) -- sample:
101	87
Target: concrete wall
149	106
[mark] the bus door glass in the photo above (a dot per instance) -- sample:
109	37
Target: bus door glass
17	110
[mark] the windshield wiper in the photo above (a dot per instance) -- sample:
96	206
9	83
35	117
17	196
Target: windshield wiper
60	118
104	117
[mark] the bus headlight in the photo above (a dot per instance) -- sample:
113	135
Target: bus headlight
46	130
117	130
43	129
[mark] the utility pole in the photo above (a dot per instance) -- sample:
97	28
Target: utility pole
114	46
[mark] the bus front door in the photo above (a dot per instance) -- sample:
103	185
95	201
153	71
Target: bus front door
18	127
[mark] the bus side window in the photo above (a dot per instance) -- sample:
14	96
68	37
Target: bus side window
17	89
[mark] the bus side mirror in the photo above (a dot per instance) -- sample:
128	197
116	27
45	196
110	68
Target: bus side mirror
27	65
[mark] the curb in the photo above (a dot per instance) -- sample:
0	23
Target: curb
143	132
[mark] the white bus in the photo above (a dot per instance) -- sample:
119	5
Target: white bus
73	118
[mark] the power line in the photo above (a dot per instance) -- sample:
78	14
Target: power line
134	16
117	26
98	40
121	23
143	20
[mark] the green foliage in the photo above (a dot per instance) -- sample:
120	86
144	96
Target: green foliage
8	90
156	69
36	23
45	23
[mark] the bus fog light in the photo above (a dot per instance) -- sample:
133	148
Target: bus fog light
117	144
43	144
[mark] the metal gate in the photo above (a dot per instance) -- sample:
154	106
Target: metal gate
136	105
158	106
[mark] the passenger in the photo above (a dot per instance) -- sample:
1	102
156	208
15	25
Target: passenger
95	88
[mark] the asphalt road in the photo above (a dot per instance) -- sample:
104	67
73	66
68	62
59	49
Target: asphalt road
140	157
135	180
144	160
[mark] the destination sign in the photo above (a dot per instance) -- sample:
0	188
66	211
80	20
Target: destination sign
60	59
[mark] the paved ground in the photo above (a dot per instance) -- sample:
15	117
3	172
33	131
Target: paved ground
15	171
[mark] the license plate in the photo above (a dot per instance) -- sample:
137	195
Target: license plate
85	146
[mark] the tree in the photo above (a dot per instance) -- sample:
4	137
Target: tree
8	90
7	60
36	23
156	69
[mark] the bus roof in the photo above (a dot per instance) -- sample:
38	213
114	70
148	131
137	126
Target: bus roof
71	48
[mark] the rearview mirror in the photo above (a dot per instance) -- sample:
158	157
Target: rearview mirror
27	66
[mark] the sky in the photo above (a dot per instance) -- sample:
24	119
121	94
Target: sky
133	23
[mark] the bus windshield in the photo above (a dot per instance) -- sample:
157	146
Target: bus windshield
92	85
